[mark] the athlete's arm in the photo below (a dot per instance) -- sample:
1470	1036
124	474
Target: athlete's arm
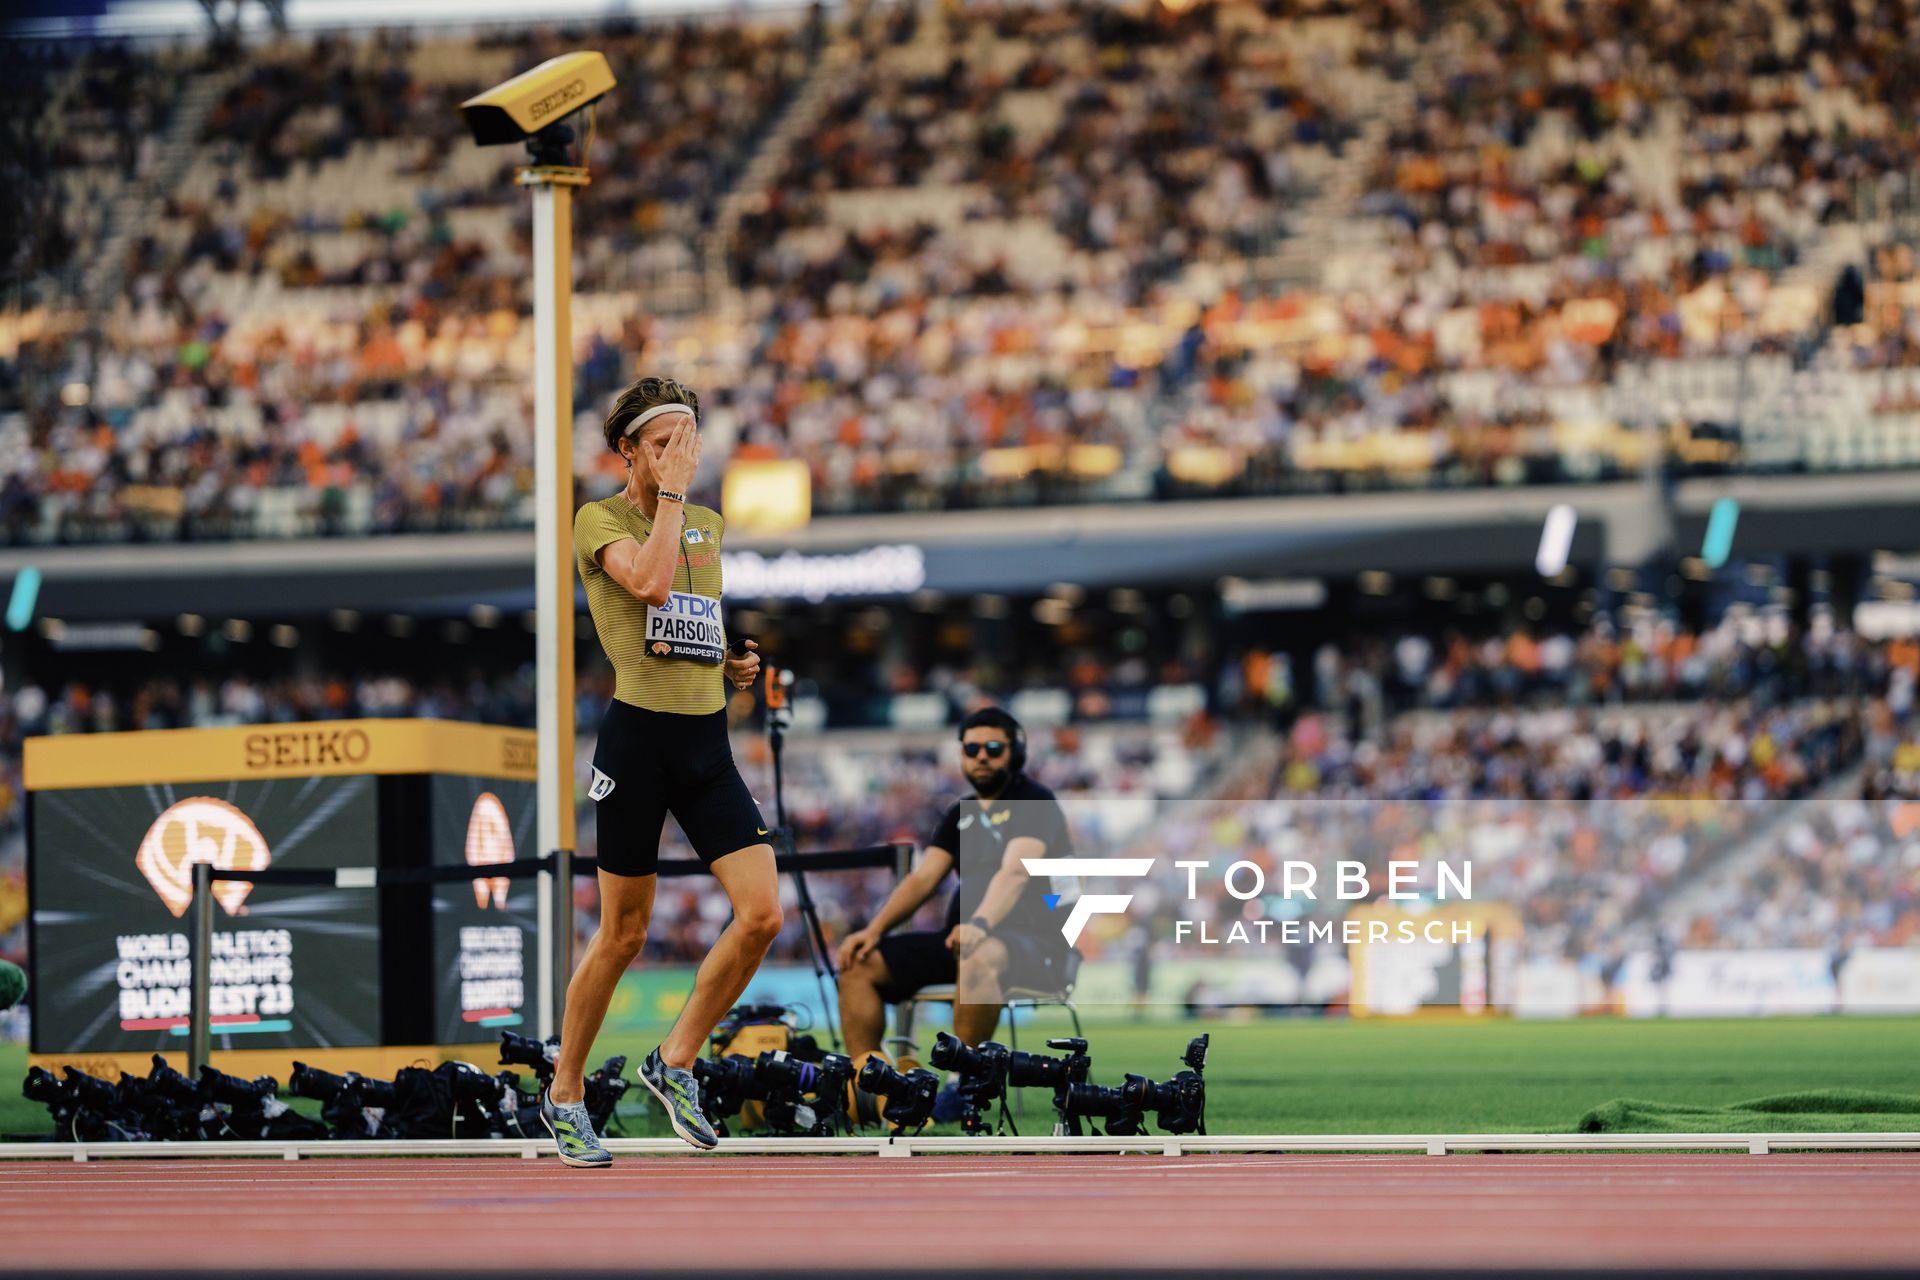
646	569
907	897
1008	883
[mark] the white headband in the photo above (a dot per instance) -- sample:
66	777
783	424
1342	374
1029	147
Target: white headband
655	412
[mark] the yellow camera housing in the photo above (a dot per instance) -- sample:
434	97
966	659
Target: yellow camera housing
523	106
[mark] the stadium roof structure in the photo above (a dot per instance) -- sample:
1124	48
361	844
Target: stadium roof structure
174	19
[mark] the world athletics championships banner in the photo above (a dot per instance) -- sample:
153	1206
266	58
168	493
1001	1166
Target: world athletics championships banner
117	822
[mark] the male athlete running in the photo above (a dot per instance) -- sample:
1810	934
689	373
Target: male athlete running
651	565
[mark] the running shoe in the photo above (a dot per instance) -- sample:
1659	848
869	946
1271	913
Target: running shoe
679	1093
572	1130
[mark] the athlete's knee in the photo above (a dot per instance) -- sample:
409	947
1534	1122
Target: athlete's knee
989	956
624	939
864	974
760	921
981	968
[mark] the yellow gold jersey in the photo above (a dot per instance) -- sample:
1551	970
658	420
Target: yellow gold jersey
665	657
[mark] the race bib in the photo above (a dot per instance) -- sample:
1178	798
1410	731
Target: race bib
687	626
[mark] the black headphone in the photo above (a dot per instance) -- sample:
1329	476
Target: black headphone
995	718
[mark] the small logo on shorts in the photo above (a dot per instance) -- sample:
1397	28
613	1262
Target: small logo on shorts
759	831
602	786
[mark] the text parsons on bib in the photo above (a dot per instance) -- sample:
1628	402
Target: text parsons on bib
686	626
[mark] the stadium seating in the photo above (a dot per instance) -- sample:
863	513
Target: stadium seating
1221	250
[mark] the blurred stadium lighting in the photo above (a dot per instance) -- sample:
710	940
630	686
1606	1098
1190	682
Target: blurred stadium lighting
1556	541
1718	544
767	497
1275	595
26	591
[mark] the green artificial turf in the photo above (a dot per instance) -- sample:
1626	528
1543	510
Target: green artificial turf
17	1115
1302	1076
1297	1076
1816	1111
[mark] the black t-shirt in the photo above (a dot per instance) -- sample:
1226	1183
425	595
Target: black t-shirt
976	835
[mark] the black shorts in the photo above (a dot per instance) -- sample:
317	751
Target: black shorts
919	960
648	764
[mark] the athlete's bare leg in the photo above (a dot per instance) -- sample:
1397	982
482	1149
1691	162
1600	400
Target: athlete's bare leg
626	906
753	886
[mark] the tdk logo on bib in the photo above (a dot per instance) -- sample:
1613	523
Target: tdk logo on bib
682	605
687	626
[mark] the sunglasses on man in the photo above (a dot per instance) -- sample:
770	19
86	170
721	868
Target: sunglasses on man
994	750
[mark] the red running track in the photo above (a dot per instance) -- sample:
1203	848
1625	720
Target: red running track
746	1215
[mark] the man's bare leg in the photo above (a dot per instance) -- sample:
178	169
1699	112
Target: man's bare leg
977	997
863	1014
753	886
626	907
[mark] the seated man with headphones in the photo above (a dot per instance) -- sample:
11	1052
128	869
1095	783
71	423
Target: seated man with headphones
999	933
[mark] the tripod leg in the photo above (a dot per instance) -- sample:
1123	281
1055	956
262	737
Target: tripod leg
816	936
816	946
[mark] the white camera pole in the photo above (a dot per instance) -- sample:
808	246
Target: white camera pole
553	569
531	109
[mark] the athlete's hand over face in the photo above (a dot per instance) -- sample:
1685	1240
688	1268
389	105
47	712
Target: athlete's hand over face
676	462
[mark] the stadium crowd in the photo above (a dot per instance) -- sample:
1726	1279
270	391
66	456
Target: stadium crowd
997	262
1650	659
1633	784
1838	876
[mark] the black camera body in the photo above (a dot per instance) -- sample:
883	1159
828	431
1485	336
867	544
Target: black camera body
800	1098
92	1092
520	1051
988	1070
218	1087
1179	1104
909	1097
169	1105
983	1072
72	1118
253	1108
726	1085
1039	1071
354	1106
605	1087
804	1099
452	1100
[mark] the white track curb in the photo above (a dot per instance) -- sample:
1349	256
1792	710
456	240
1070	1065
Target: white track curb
1161	1145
